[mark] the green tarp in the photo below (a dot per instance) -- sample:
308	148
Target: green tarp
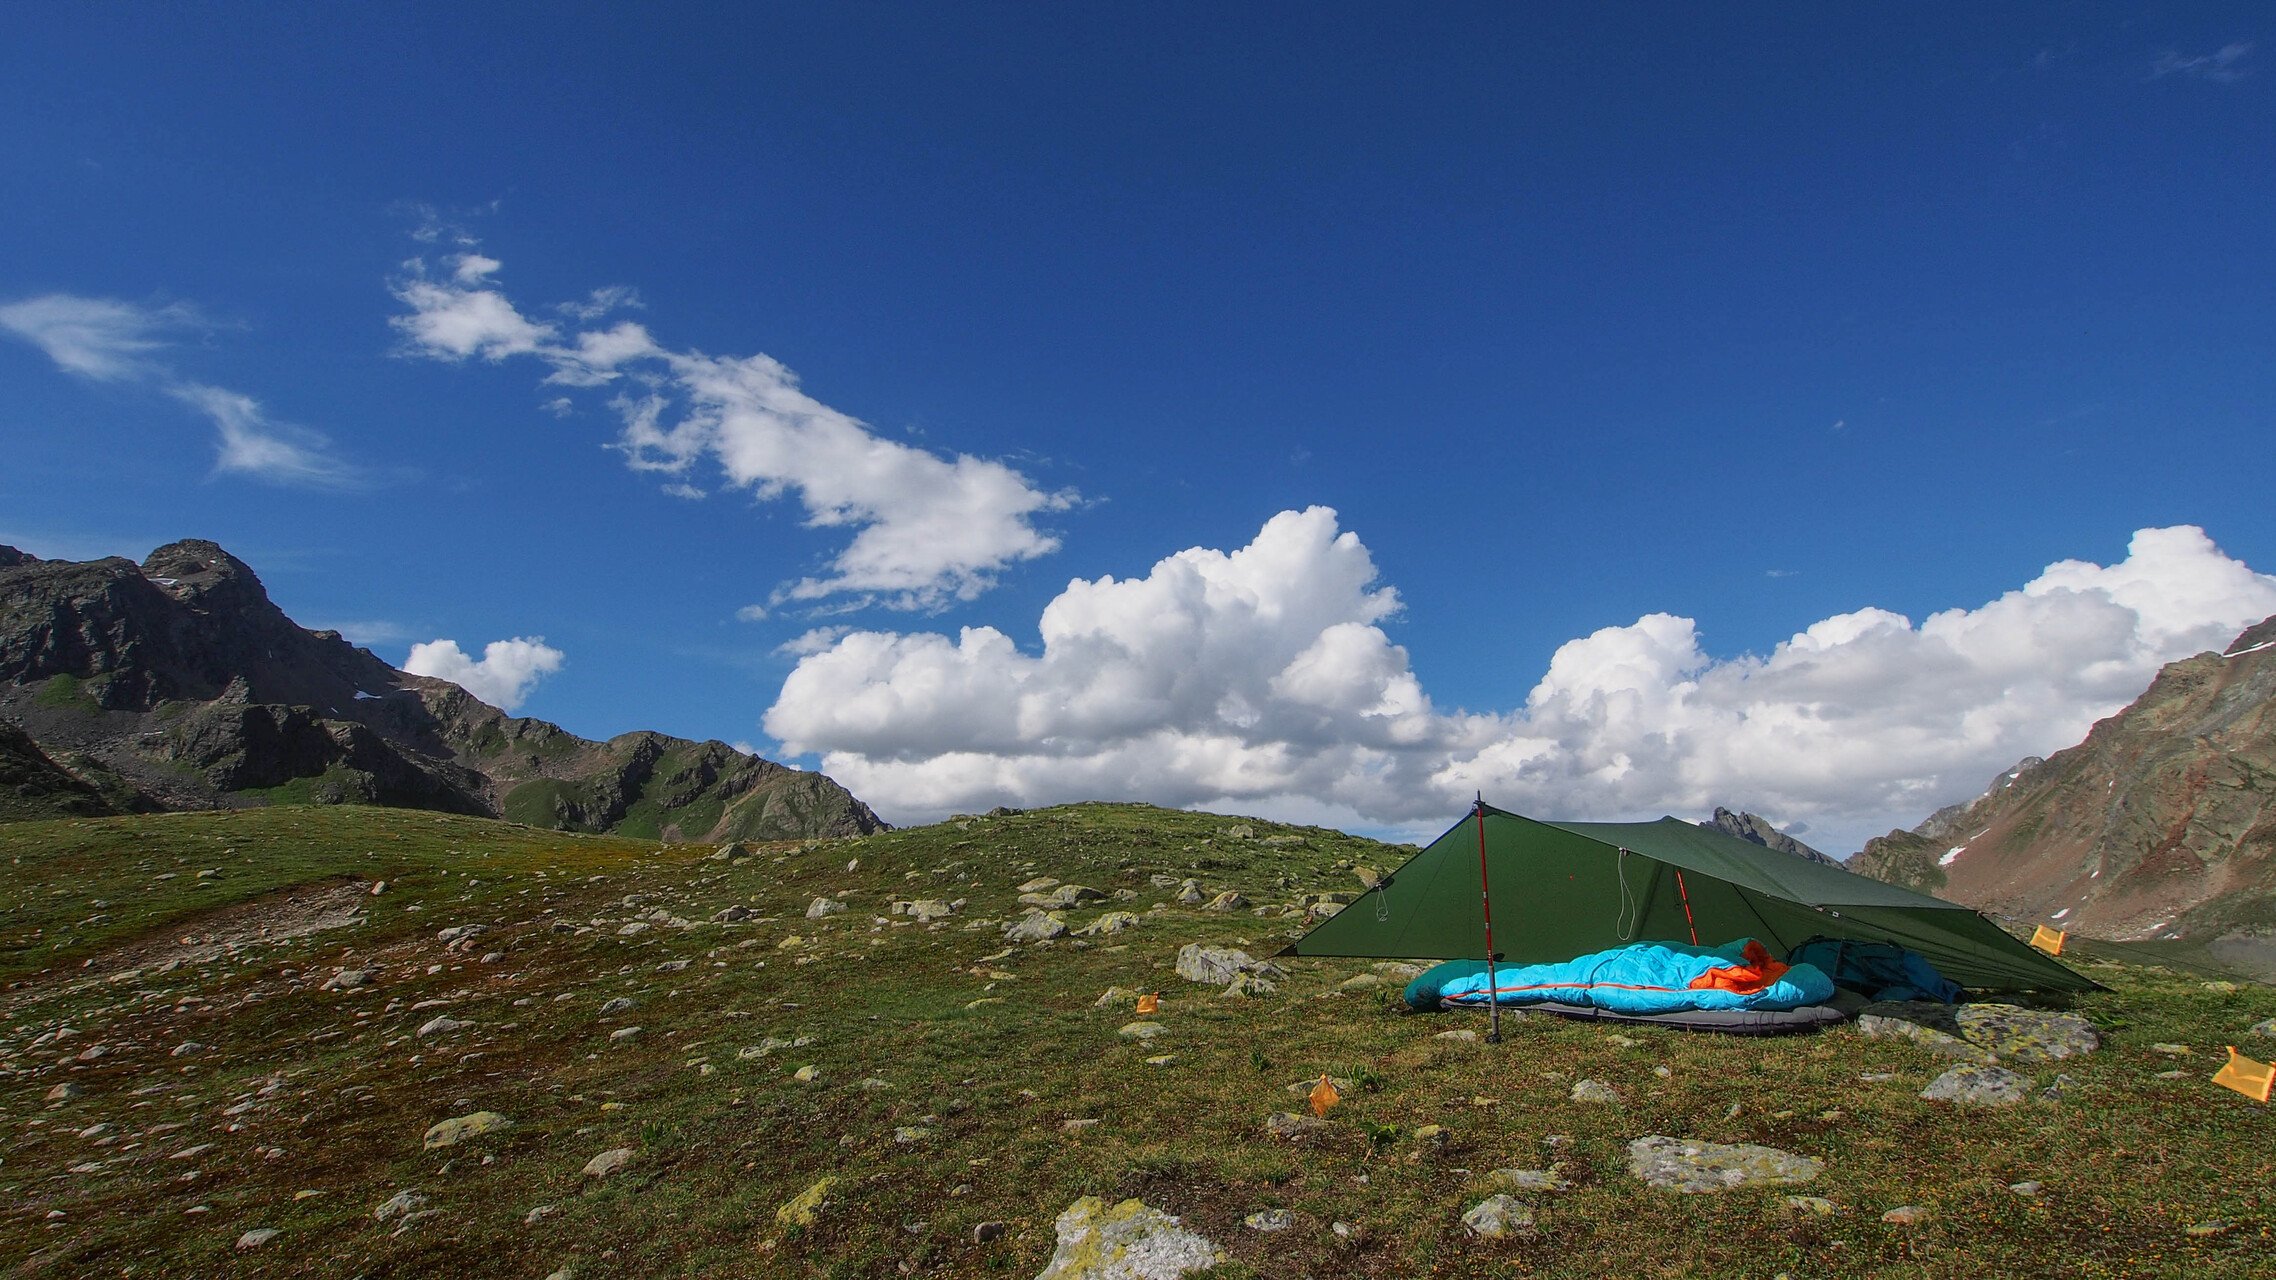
1563	889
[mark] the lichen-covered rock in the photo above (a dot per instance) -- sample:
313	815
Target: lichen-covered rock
1498	1216
1249	984
2011	1033
1226	901
821	907
458	1129
2264	1027
1978	1086
804	1208
1126	1241
1594	1091
1691	1166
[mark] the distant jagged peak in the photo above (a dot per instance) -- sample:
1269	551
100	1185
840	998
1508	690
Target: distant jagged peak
1756	829
10	557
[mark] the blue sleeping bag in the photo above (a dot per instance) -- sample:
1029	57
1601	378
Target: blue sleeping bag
1644	978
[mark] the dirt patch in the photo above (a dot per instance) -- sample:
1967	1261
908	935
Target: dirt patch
210	935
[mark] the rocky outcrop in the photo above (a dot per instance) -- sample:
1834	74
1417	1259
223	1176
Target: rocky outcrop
33	786
1757	830
178	683
2161	825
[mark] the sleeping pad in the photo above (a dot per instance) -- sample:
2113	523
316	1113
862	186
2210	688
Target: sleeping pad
1642	978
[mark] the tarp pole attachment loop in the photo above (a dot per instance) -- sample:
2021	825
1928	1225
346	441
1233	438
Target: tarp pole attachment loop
1486	909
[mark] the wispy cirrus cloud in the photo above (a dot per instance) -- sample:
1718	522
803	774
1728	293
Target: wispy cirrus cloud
110	340
2222	66
99	338
926	528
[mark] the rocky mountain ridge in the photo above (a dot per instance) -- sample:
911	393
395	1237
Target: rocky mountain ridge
178	684
2161	825
1758	830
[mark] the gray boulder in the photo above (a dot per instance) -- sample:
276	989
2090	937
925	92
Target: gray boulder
1217	966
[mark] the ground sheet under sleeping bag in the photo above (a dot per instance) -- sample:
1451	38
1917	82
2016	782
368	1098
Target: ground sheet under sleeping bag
1645	978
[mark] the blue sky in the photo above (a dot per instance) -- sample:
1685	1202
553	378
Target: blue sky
1757	320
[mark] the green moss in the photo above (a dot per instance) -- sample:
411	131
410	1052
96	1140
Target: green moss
67	693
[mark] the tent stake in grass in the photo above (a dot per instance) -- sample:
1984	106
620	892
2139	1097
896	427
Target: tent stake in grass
1486	907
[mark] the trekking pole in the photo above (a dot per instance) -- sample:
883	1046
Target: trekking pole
1486	906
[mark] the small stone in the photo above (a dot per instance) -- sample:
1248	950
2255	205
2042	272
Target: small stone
1594	1091
1361	982
402	1202
1978	1086
1817	1206
540	1214
1294	1127
2215	1227
1529	1179
731	915
610	1008
1140	1031
1498	1216
807	1074
625	1033
441	1026
1161	1060
988	1232
1269	1220
821	907
1229	900
1907	1215
2029	1187
2264	1027
1249	984
257	1237
64	1092
804	1208
911	1134
608	1162
378	887
2176	1075
1461	1037
458	1129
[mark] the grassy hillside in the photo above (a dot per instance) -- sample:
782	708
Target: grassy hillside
957	1080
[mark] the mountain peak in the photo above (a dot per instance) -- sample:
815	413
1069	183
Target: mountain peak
1758	830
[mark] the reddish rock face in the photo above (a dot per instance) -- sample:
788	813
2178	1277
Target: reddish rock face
2160	826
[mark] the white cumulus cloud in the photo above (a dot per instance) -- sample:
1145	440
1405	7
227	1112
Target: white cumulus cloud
503	676
1262	679
925	528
